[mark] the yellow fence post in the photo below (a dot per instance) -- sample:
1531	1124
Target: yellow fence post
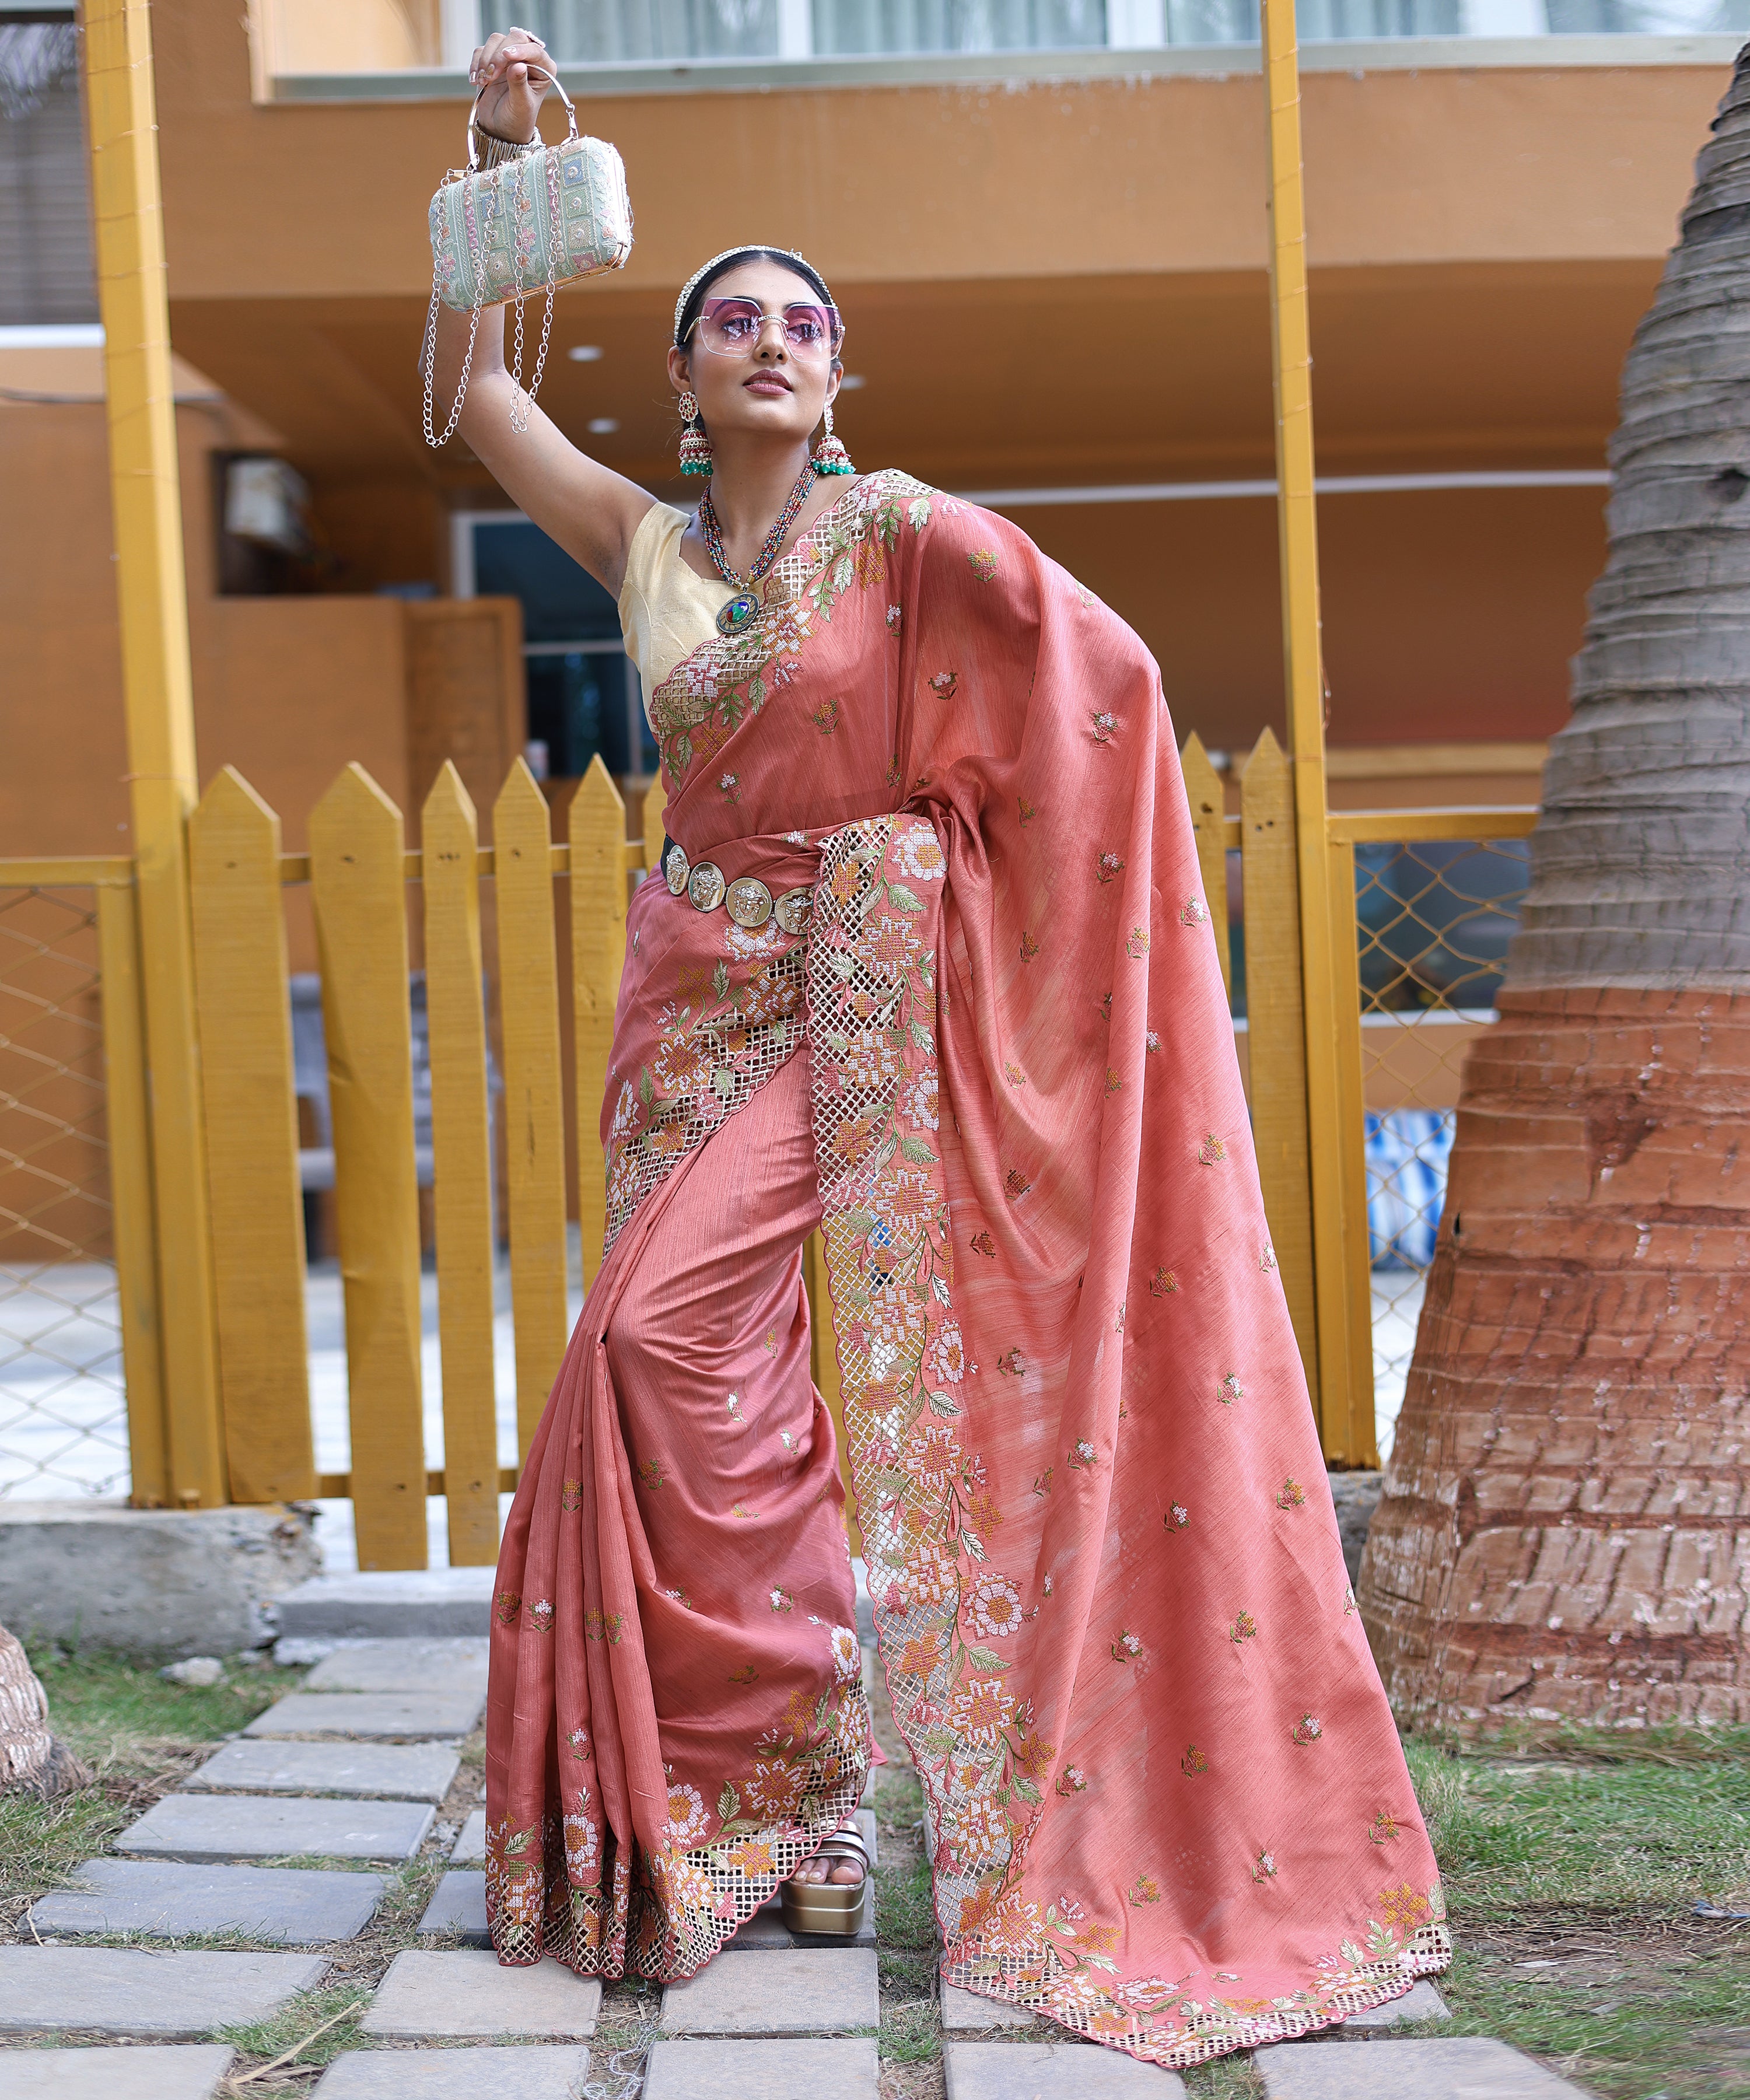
1347	1427
127	1119
251	1120
1209	823
598	952
824	1352
461	1167
128	223
357	877
655	807
1297	534
1276	1040
528	1005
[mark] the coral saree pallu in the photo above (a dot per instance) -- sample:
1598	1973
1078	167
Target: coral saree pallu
1168	1803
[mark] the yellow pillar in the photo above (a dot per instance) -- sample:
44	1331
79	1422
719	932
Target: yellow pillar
1304	670
128	224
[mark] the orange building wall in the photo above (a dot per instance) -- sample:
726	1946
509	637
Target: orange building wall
287	690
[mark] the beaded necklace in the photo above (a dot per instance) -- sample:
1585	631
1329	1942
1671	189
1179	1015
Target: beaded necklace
744	605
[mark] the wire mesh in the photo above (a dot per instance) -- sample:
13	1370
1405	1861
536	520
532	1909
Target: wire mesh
1433	922
63	1396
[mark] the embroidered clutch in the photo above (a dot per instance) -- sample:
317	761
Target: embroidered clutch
546	219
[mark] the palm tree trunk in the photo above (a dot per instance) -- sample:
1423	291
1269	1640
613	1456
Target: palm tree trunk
32	1761
1563	1527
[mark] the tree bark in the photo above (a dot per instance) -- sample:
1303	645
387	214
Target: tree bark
1565	1529
32	1760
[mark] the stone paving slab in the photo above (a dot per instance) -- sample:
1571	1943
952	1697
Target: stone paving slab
797	1991
403	1716
763	2071
403	1666
228	1826
1421	2001
470	1848
151	2073
965	2012
1459	2069
428	1994
288	1906
362	1771
427	1603
1068	2071
542	2071
458	1905
132	1990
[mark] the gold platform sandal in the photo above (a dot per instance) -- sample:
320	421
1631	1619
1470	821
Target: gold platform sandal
835	1908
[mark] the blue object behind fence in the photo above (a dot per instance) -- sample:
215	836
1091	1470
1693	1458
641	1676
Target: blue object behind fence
1407	1155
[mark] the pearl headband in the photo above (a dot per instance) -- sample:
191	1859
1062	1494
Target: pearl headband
749	248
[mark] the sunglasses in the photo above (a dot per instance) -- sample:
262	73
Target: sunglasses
731	327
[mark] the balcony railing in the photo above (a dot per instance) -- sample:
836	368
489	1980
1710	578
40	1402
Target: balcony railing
610	32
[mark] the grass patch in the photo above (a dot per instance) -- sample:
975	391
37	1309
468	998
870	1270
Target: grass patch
910	2032
306	2034
115	1711
41	1842
1615	1836
139	1734
1573	1860
905	1915
1224	2078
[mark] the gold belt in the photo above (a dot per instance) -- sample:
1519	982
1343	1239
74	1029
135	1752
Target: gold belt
748	900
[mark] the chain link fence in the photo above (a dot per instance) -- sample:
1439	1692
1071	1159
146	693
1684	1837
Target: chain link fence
63	1400
1433	920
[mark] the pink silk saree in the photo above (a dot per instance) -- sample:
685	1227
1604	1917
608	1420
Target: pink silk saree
1167	1801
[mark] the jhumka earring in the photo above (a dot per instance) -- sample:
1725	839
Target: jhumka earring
832	457
695	446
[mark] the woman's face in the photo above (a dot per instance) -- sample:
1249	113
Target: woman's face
762	385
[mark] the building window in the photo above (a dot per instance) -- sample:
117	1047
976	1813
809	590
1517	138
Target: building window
843	27
605	32
584	695
45	269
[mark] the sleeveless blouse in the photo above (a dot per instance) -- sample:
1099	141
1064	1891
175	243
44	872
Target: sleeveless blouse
665	610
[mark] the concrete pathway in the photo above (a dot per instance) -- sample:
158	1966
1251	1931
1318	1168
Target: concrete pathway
294	1835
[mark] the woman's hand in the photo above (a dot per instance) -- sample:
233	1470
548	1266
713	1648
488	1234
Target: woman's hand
509	100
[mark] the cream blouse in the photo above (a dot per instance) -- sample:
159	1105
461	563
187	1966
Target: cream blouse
666	609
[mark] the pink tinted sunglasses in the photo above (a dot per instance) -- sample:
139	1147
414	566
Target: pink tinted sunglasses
732	326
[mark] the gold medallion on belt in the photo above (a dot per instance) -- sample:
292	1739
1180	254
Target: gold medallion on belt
748	900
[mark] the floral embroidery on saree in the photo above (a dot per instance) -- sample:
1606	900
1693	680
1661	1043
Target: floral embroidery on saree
720	1041
1113	1733
930	1527
708	695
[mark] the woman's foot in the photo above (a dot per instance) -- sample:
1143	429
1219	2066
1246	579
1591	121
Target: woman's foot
841	1872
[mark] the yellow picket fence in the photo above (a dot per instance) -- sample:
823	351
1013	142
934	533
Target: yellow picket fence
358	873
485	929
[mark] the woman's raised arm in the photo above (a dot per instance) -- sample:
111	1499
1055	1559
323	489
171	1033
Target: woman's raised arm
591	511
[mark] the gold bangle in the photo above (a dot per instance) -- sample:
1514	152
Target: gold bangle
495	151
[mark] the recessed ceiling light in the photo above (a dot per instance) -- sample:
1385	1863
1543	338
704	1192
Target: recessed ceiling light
583	353
603	426
851	381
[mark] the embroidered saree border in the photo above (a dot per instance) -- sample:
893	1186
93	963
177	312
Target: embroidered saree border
926	1512
566	1883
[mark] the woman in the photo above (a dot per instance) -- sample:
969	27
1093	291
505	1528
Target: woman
930	969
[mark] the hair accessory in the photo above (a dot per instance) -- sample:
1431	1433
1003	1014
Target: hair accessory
830	456
742	247
768	554
547	216
696	457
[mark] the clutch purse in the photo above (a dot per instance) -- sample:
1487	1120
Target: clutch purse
547	217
